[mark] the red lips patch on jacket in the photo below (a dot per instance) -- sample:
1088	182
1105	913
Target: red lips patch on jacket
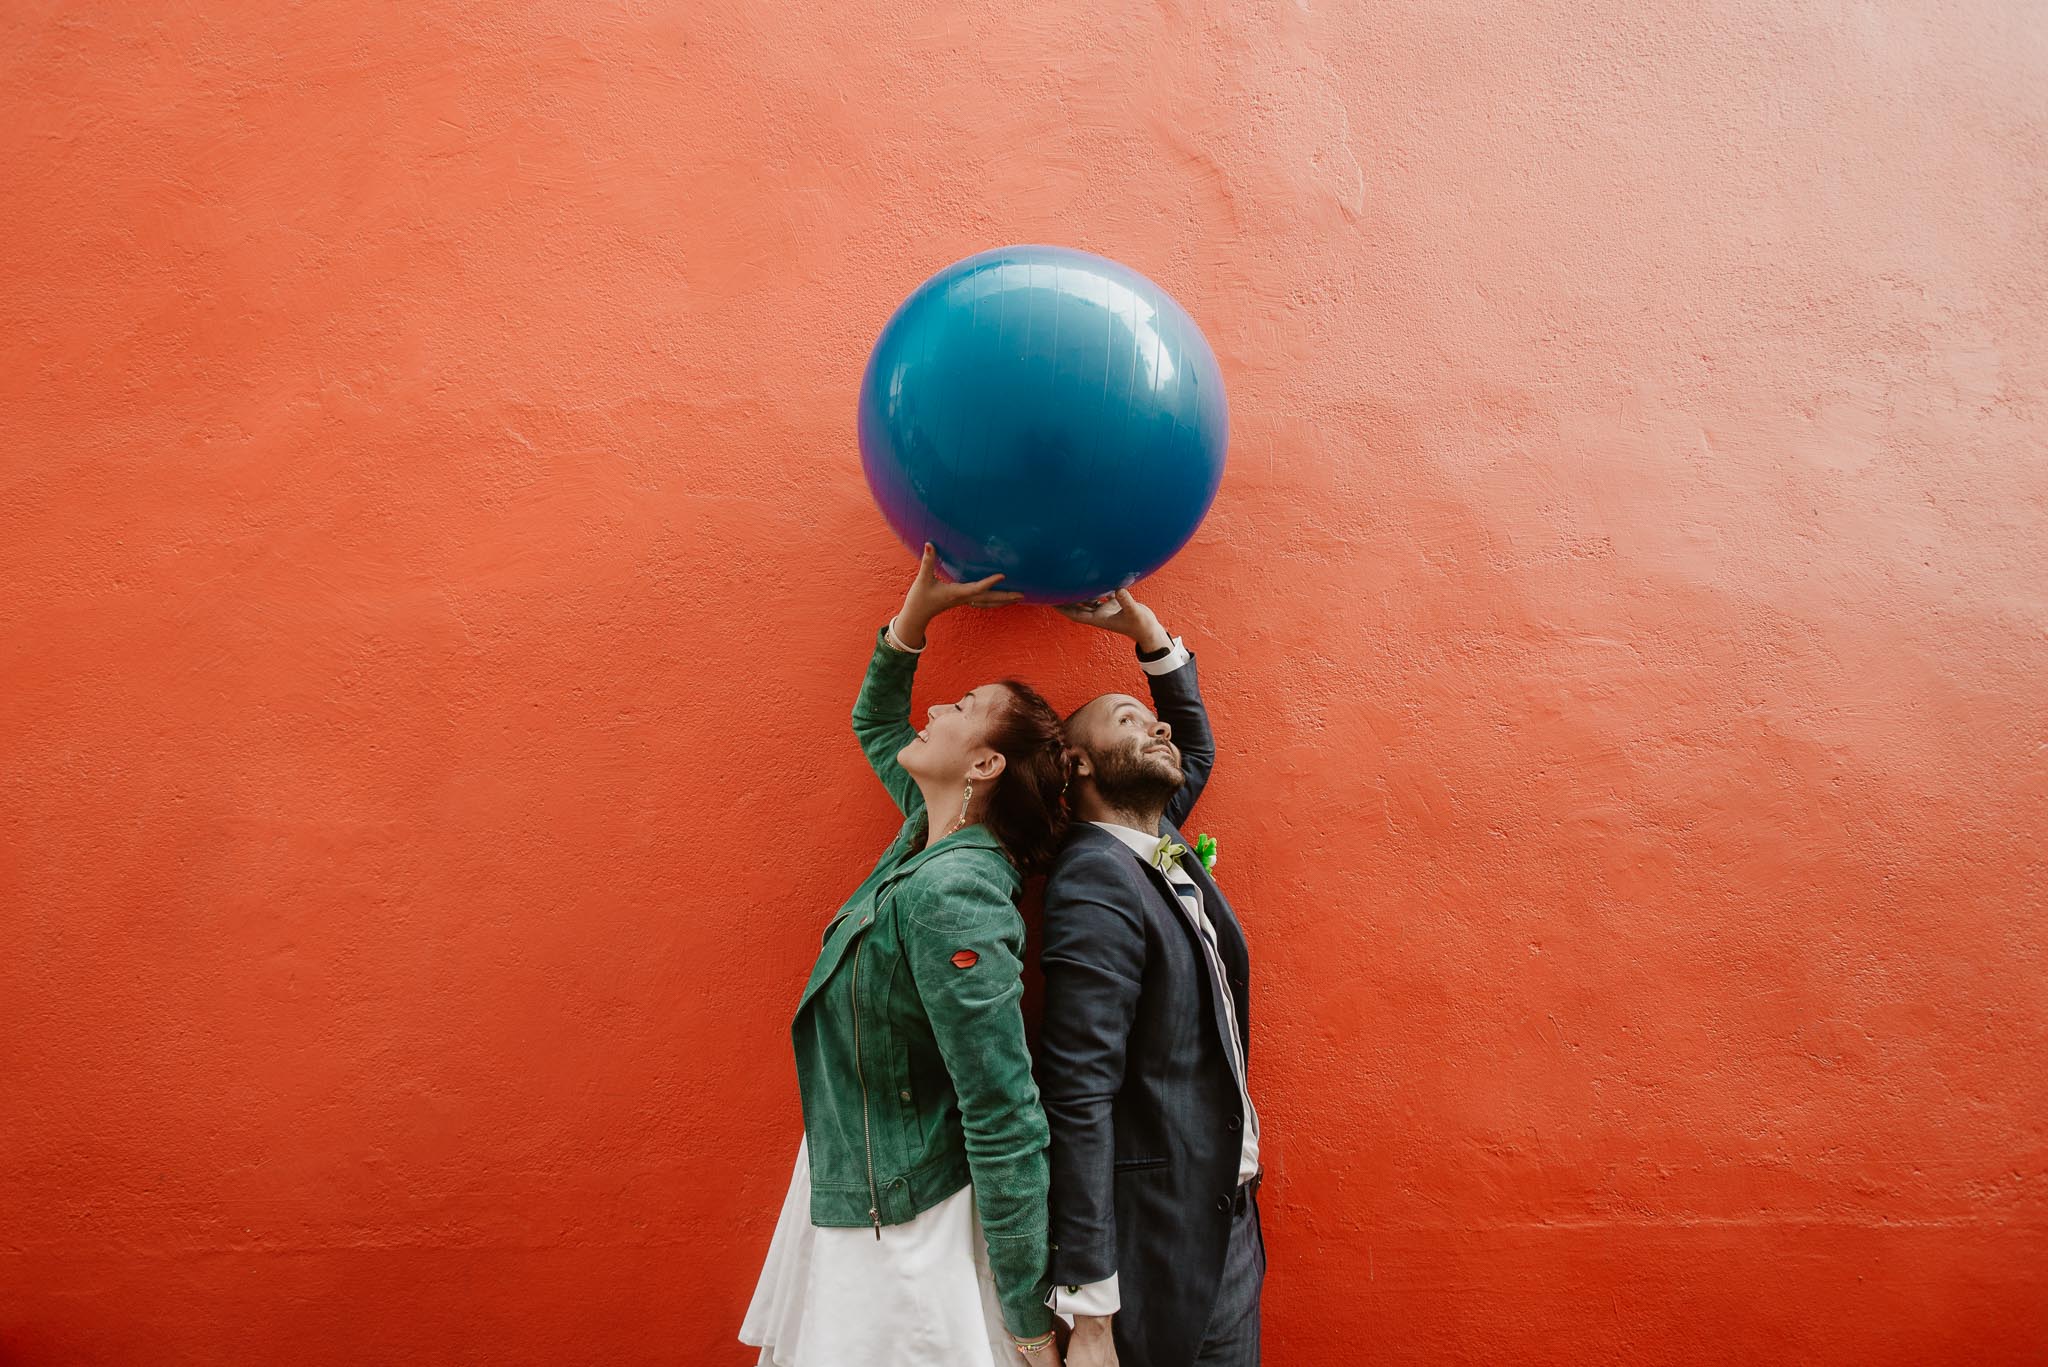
966	958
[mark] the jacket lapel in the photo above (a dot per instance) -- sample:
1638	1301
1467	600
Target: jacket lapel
1229	932
1229	942
863	910
975	837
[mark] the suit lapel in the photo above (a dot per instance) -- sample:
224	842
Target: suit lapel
1229	943
1230	939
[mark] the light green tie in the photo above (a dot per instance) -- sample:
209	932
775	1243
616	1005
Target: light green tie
1166	858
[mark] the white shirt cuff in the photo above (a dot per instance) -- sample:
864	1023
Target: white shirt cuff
1170	661
1096	1298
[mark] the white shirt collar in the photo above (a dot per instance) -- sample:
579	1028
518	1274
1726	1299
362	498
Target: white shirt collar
1144	844
1140	844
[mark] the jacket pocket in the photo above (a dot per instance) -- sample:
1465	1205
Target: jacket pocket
1136	1164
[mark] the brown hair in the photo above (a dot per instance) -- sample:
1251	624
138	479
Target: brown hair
1028	809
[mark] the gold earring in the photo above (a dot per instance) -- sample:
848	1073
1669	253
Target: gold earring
965	802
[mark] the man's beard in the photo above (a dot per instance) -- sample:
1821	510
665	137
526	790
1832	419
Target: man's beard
1130	780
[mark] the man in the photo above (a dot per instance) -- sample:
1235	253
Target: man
1156	1249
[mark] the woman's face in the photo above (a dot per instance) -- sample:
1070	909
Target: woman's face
951	745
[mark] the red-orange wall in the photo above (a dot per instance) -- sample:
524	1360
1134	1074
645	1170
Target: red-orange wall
435	568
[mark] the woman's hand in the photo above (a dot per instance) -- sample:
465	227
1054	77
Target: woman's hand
930	595
1048	1356
1122	614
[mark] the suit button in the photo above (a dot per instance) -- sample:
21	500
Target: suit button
905	1094
1231	1123
1223	1203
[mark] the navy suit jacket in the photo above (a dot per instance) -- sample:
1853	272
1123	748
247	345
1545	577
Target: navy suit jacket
1147	1124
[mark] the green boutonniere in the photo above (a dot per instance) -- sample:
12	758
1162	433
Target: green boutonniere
1205	850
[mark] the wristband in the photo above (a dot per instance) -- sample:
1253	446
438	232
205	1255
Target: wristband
896	642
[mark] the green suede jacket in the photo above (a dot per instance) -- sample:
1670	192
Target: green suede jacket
910	1050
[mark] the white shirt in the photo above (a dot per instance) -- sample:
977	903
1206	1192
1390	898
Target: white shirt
1103	1298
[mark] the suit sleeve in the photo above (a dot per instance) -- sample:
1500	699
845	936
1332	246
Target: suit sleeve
1177	699
881	721
965	943
1094	962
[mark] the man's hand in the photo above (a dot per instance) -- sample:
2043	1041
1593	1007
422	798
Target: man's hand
1091	1345
930	595
1122	614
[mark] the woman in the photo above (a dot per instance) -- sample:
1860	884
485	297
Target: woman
914	1232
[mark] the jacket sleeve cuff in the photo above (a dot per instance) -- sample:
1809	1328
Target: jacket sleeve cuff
1096	1298
1173	658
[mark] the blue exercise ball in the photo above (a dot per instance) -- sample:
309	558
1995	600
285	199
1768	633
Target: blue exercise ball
1046	414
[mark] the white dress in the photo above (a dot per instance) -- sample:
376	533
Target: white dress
920	1296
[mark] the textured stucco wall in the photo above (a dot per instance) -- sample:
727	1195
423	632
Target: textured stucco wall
435	565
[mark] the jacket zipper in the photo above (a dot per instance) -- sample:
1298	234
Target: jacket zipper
866	1130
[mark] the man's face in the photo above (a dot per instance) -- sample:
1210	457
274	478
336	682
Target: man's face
1135	761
